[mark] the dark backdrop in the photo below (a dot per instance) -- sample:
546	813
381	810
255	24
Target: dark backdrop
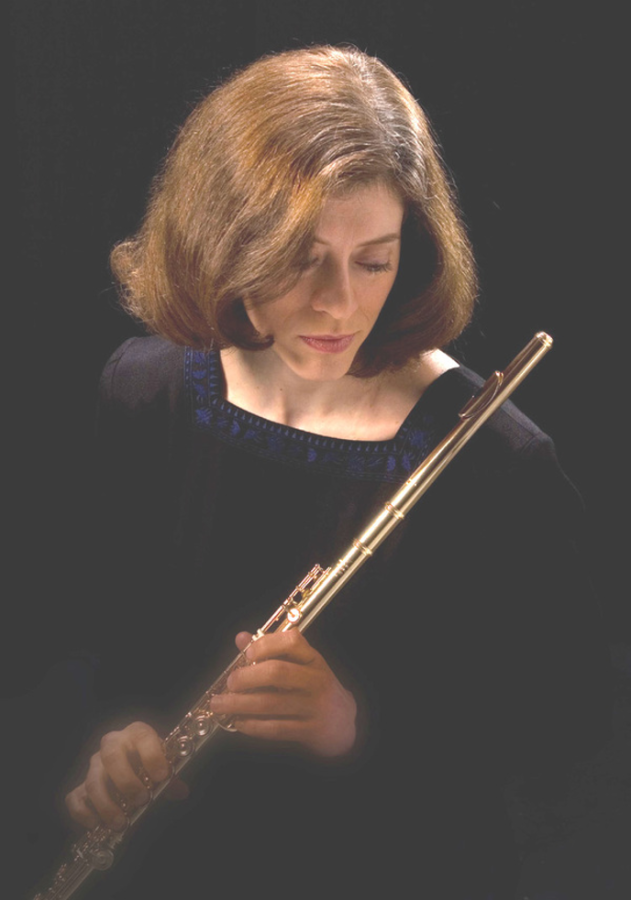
525	99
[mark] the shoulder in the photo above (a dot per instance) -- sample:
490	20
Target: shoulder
141	373
510	451
508	432
445	387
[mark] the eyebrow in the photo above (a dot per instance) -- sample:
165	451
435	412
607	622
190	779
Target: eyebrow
385	239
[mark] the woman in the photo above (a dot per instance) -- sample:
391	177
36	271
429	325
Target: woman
302	263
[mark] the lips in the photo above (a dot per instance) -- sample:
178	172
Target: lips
328	343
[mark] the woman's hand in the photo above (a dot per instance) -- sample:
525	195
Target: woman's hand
289	693
113	776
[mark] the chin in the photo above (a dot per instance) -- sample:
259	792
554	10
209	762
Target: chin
326	369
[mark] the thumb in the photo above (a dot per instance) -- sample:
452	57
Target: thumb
243	639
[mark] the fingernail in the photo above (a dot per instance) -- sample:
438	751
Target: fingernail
119	823
162	773
142	797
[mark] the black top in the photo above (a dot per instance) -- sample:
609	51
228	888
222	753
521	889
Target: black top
471	640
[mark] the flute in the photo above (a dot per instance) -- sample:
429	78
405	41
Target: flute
96	850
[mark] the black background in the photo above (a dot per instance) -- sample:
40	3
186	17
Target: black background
526	99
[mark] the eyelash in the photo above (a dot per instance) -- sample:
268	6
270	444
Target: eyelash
371	268
375	268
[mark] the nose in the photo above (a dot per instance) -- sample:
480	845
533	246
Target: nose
333	292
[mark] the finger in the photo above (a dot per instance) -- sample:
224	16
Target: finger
242	640
80	809
271	673
99	796
290	645
293	730
264	703
148	746
120	763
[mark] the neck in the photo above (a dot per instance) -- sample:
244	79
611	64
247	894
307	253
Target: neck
259	382
366	409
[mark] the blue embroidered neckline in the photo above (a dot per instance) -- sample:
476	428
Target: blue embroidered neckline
389	461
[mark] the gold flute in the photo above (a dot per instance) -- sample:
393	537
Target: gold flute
96	849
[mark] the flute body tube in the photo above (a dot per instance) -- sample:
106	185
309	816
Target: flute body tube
96	850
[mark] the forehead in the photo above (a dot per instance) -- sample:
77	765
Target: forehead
367	213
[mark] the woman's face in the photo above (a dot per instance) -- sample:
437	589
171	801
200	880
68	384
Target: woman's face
320	324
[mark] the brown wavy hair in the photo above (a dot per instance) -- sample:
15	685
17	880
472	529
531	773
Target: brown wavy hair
234	210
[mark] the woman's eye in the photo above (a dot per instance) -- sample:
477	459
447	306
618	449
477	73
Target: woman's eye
372	268
375	267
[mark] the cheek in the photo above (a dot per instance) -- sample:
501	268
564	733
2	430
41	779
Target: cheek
263	317
270	316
